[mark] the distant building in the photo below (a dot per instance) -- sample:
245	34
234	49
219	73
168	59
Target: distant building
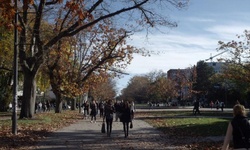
183	78
177	74
217	66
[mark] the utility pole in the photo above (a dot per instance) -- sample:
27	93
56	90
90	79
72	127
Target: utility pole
15	72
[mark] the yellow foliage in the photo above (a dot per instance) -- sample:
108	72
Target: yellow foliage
7	48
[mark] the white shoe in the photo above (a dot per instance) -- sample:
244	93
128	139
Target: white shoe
91	121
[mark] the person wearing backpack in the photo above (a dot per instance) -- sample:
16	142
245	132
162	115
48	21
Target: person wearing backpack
238	130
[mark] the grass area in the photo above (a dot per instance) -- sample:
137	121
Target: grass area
191	126
39	119
184	123
182	126
185	113
32	130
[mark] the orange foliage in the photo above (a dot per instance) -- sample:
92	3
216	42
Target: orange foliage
7	13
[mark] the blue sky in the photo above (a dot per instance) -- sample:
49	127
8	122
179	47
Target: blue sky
200	27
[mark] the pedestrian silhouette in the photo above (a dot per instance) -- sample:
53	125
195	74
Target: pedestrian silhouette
126	118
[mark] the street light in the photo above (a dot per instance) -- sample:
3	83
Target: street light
15	72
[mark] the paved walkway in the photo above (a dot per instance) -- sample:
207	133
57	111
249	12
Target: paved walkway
86	135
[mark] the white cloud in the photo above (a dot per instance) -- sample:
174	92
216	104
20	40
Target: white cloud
197	19
166	61
195	39
179	50
228	32
174	41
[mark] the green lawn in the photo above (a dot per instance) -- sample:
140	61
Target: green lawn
184	123
186	113
191	126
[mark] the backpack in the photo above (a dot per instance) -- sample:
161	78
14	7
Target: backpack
101	106
245	132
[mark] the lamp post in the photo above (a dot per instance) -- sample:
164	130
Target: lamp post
15	72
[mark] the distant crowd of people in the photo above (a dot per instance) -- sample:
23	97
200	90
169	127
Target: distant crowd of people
218	105
122	111
43	106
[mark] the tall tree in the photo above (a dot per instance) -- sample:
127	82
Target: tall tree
184	79
70	17
136	89
154	87
6	59
161	90
238	62
160	87
82	63
105	90
202	83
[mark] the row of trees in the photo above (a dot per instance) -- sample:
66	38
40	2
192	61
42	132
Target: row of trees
73	46
153	87
236	77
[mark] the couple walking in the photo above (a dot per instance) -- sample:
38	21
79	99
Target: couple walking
126	117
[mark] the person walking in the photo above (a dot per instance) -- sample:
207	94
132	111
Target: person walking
85	109
196	107
217	104
126	118
47	105
93	112
108	115
132	108
118	107
238	130
222	105
101	108
211	104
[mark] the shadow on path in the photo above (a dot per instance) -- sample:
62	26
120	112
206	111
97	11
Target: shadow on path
88	136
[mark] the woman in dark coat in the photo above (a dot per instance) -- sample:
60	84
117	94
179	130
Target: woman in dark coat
108	115
126	117
93	112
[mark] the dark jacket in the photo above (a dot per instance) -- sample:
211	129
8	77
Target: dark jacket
108	111
126	114
241	129
93	108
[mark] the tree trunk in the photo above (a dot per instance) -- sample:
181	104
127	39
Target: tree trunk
58	108
80	104
29	95
73	104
